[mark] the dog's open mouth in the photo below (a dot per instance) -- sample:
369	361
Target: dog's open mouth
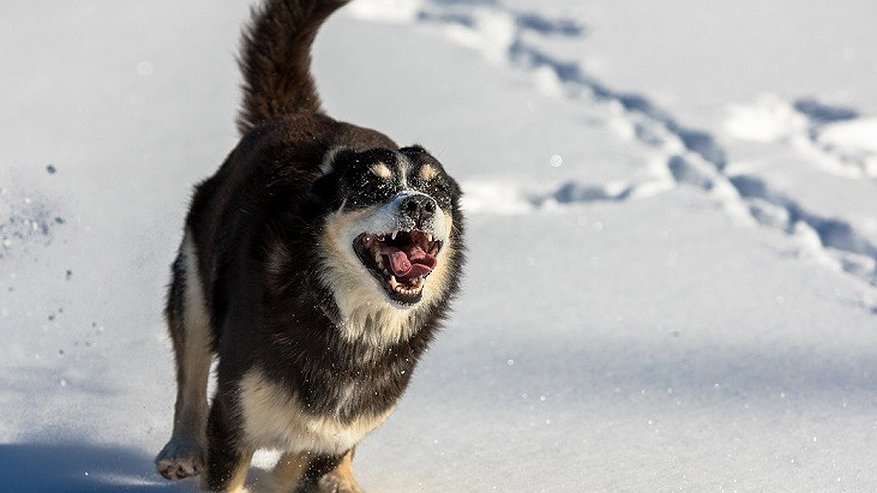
400	260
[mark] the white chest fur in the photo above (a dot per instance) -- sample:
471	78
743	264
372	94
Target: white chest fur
273	418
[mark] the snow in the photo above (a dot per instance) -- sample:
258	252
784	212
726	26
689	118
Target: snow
858	135
672	222
768	120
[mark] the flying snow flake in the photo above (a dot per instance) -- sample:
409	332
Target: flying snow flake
86	9
145	68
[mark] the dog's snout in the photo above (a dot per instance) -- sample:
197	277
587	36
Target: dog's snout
420	208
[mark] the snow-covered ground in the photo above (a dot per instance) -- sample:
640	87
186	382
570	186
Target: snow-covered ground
672	282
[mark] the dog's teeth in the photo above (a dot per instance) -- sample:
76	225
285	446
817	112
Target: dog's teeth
429	237
394	233
393	282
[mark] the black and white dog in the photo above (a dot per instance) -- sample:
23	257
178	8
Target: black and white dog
317	264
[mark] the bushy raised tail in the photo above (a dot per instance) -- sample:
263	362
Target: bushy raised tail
276	59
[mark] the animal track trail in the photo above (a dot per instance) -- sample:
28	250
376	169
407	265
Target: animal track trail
836	139
828	139
841	242
691	156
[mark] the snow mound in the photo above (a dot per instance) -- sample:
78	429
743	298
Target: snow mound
768	119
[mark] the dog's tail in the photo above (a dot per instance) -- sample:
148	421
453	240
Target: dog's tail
276	61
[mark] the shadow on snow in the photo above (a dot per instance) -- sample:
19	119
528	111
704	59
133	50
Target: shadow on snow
78	468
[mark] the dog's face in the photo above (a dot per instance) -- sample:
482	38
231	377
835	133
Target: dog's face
391	233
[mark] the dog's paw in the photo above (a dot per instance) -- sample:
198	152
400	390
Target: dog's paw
179	459
337	483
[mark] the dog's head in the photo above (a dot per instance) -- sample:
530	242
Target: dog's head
391	235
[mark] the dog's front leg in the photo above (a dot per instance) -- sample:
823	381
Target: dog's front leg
227	461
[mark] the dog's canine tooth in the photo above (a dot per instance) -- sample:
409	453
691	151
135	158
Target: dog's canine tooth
394	233
429	237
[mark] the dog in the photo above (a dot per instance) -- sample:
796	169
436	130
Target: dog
316	265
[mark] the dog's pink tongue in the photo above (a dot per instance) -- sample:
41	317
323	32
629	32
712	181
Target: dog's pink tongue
407	265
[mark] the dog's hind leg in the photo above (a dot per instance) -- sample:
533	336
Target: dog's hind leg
340	479
309	472
189	325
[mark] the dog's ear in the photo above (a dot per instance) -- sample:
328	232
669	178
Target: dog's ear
419	155
413	150
333	157
327	186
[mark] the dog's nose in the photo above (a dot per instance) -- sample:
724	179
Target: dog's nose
420	208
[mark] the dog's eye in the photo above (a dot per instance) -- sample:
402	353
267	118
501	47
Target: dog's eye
366	189
385	189
440	190
371	182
